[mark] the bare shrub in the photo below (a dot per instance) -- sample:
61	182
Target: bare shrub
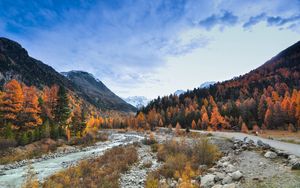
103	171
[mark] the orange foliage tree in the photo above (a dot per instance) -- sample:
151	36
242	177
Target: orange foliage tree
12	102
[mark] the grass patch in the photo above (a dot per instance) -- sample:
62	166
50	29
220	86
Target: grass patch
103	171
182	159
33	150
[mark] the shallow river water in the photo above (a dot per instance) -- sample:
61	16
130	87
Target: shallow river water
45	168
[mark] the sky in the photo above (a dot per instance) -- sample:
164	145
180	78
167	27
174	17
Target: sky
152	47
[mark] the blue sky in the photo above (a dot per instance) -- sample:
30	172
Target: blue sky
151	48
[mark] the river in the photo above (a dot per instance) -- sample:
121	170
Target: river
15	177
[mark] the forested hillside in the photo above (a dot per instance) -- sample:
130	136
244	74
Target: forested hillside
15	63
265	98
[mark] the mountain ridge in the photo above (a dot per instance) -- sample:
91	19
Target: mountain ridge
15	63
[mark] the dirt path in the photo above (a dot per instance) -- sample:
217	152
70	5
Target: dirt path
287	147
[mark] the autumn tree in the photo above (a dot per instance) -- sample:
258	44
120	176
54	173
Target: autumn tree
216	120
49	102
12	102
193	124
31	110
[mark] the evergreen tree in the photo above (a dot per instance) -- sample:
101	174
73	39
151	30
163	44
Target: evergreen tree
62	110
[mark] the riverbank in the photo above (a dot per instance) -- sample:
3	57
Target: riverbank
13	176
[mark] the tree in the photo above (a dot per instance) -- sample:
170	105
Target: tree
12	102
217	121
31	110
193	124
178	128
205	121
141	120
62	110
244	128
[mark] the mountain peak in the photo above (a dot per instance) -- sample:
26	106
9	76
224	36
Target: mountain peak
12	48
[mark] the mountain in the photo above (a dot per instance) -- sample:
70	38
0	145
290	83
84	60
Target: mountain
266	97
207	84
179	92
97	93
137	101
15	63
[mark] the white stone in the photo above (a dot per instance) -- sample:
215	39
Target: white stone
237	175
227	180
207	180
270	154
229	168
217	186
232	185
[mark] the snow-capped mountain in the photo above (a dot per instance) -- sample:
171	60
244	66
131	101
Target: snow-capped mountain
207	84
137	101
179	92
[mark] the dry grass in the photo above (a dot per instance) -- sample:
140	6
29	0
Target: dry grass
101	172
33	150
182	159
285	136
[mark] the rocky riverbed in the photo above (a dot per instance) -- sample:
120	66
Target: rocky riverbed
248	164
12	175
136	176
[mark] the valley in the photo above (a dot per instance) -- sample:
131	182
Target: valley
240	154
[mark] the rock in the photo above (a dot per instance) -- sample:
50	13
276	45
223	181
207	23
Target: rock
263	145
227	180
270	154
237	175
232	185
193	182
296	166
219	176
217	186
207	180
229	168
202	167
212	169
260	143
292	157
282	153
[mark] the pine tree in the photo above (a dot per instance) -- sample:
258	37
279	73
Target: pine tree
62	110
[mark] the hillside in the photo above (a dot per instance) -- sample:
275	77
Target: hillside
15	63
267	97
96	92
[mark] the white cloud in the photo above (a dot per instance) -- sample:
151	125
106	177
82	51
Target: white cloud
156	47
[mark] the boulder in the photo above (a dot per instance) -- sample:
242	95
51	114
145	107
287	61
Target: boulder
231	185
219	176
291	157
217	186
270	155
237	175
207	181
202	167
296	166
227	180
229	168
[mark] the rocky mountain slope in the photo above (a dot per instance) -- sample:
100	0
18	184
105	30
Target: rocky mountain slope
97	93
15	63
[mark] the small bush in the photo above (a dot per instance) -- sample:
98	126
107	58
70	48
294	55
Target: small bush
152	181
147	164
182	159
7	143
103	171
150	141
